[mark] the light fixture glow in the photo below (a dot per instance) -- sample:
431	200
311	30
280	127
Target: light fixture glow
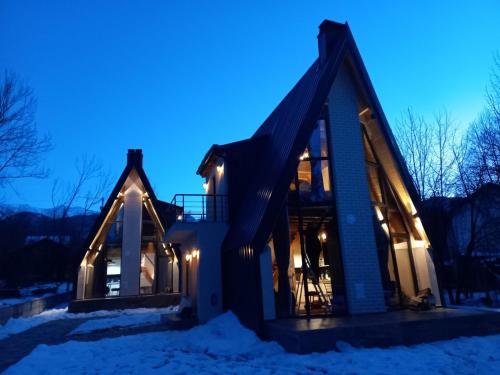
385	227
179	217
220	168
305	155
188	257
205	186
380	216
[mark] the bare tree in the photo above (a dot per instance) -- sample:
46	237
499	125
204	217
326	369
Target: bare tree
479	212
493	91
415	141
86	192
427	149
20	145
442	164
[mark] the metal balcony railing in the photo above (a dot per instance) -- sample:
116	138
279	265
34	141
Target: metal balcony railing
201	207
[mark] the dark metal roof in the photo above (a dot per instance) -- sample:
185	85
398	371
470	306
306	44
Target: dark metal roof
288	130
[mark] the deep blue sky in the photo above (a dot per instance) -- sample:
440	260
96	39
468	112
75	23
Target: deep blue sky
174	77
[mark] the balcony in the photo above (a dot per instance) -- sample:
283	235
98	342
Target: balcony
199	208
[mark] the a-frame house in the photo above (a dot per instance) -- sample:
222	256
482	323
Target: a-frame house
319	213
125	255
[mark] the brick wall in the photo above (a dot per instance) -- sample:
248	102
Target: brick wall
354	211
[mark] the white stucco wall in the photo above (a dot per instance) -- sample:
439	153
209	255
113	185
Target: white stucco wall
131	246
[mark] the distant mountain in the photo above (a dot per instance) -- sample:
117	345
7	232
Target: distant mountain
7	210
18	227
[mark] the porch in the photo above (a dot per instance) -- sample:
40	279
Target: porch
300	335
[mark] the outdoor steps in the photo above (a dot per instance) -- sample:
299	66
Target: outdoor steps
300	335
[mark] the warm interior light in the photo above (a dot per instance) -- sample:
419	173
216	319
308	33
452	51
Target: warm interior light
385	227
305	155
188	257
418	224
323	236
379	214
195	253
100	247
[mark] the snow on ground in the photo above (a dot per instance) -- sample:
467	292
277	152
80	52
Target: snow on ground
145	317
223	346
117	318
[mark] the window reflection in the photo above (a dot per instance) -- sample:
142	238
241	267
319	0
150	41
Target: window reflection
392	234
113	255
313	170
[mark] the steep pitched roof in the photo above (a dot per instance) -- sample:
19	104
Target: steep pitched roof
166	211
288	129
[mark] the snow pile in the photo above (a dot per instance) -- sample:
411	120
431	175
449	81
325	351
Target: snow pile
128	319
19	325
224	346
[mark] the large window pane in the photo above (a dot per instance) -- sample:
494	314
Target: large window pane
148	253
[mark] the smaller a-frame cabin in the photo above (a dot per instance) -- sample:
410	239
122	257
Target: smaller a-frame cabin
125	255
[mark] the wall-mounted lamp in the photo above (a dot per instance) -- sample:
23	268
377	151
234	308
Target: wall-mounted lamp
220	169
205	186
179	217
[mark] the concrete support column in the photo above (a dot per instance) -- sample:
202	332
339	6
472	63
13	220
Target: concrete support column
266	277
281	241
131	244
354	211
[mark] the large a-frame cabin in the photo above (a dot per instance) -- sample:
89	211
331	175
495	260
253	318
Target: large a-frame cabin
320	214
315	214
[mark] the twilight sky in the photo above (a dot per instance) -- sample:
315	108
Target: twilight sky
174	77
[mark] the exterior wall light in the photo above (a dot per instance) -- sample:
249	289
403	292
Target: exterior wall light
220	169
179	217
205	186
305	155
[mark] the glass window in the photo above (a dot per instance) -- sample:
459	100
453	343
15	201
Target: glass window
113	255
313	170
391	234
149	247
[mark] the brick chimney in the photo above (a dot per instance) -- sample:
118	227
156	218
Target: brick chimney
328	33
134	157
